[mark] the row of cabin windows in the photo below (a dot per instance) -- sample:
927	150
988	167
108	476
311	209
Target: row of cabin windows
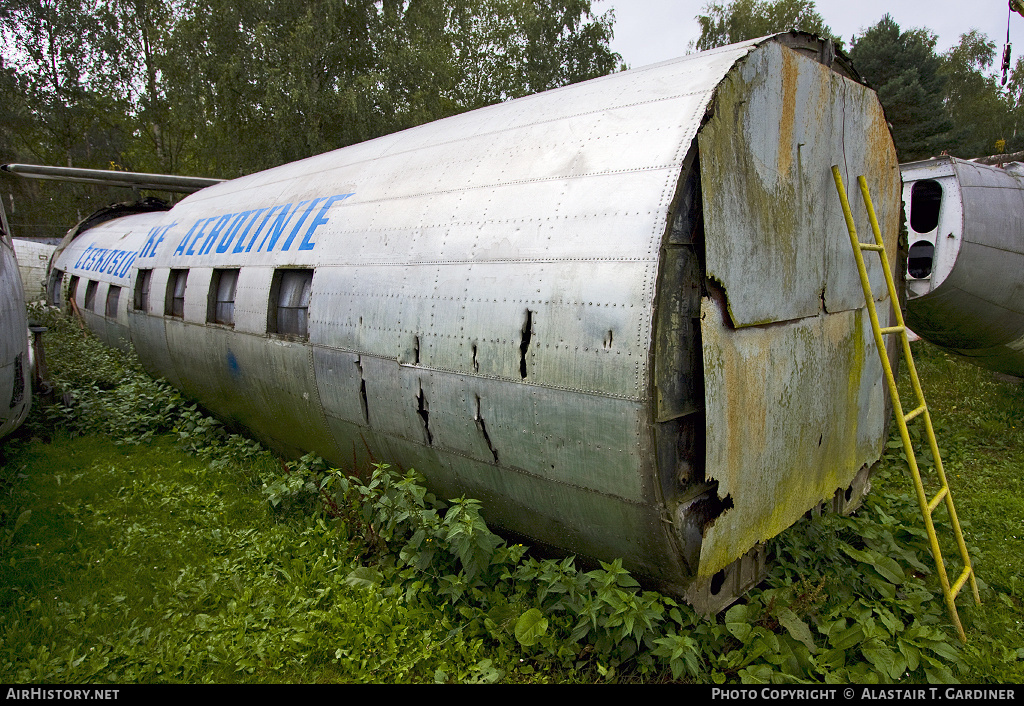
113	296
220	307
288	313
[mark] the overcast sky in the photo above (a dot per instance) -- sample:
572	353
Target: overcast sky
647	31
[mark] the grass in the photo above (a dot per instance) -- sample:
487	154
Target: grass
192	555
177	572
979	422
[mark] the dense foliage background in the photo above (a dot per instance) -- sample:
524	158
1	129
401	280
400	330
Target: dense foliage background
222	88
955	102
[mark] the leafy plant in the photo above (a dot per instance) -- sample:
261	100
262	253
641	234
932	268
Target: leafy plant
299	571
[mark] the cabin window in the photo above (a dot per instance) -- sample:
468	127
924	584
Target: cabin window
919	259
113	295
289	303
90	295
72	289
925	203
221	307
174	303
142	282
56	282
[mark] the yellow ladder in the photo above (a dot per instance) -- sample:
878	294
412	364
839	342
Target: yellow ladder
927	506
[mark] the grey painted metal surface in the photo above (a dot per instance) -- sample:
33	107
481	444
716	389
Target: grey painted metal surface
15	363
617	312
104	177
965	281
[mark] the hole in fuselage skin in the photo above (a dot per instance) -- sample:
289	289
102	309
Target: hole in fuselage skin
524	344
423	409
362	392
483	430
919	259
717	581
925	203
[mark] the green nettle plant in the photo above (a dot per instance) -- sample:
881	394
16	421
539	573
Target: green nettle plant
845	601
301	571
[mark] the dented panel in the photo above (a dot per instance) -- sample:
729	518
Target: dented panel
776	442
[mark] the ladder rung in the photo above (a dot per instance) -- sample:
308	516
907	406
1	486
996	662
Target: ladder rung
892	329
914	413
955	588
937	499
871	246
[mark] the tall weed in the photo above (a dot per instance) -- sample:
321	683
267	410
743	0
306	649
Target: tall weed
377	579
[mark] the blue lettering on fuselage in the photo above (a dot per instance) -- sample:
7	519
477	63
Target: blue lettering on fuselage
214	232
106	260
236	232
156	236
229	228
229	234
295	231
277	227
240	245
183	245
320	219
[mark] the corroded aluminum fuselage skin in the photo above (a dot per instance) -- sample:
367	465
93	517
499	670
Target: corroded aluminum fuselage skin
970	302
15	361
624	314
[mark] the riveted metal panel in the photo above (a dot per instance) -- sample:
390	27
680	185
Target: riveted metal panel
150	339
112	324
583	332
196	296
993	200
340	380
33	262
592	441
252	297
250	379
